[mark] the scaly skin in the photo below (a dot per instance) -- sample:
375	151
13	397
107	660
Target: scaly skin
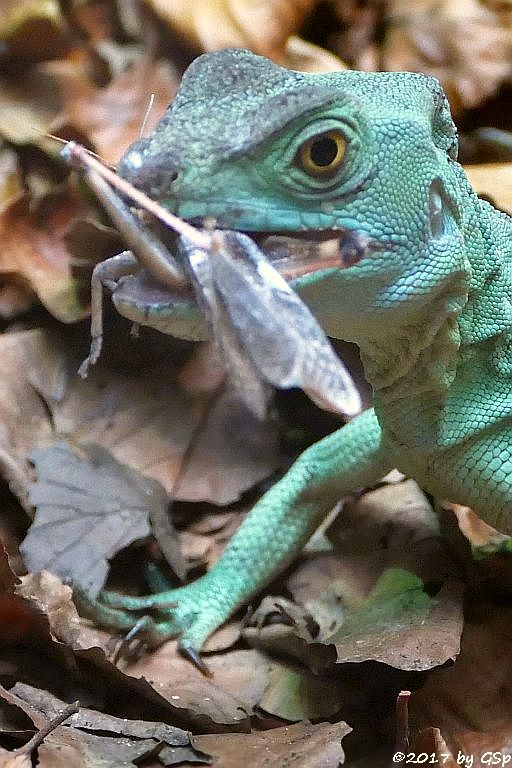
429	305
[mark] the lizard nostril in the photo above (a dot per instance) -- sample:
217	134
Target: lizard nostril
147	172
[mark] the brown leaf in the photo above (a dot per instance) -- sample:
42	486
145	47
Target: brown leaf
467	44
494	181
29	103
304	56
34	254
10	176
19	621
471	702
112	116
263	27
133	409
16	761
55	601
31	30
89	507
137	733
239	679
411	638
480	535
302	745
365	597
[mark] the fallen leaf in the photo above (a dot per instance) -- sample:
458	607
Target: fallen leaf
55	601
112	116
400	625
228	699
471	702
467	44
207	706
20	621
264	28
484	539
89	507
389	538
302	745
493	181
10	176
32	30
303	56
144	419
393	526
137	733
34	255
29	103
16	761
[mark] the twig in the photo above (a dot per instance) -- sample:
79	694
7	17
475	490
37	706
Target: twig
402	722
50	726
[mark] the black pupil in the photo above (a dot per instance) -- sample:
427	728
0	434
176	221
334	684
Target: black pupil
323	151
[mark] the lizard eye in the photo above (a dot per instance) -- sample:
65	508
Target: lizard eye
322	154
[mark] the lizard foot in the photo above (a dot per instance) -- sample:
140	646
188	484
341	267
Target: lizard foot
190	613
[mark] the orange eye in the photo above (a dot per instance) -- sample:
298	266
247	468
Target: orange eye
322	154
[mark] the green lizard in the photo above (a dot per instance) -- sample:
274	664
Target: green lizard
422	284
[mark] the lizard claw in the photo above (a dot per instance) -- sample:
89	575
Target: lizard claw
190	613
192	655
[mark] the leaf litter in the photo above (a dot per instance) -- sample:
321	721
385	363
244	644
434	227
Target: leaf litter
349	625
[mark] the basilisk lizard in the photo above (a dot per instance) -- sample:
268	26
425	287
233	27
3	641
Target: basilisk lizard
363	165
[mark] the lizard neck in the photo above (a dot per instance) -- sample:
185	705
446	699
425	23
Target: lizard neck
418	356
431	363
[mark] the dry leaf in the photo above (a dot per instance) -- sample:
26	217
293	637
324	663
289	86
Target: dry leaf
401	626
239	679
365	597
10	176
55	600
143	418
32	30
306	57
29	103
467	44
34	255
494	181
16	761
471	702
302	745
112	116
136	734
89	507
483	538
262	27
19	621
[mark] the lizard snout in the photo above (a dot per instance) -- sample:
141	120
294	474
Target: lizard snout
146	171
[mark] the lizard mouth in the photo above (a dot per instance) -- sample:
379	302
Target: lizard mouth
298	254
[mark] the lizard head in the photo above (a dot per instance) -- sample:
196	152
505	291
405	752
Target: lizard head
347	180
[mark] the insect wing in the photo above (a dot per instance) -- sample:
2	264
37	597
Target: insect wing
277	330
242	372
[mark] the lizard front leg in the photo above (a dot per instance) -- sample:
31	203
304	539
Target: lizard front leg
271	536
